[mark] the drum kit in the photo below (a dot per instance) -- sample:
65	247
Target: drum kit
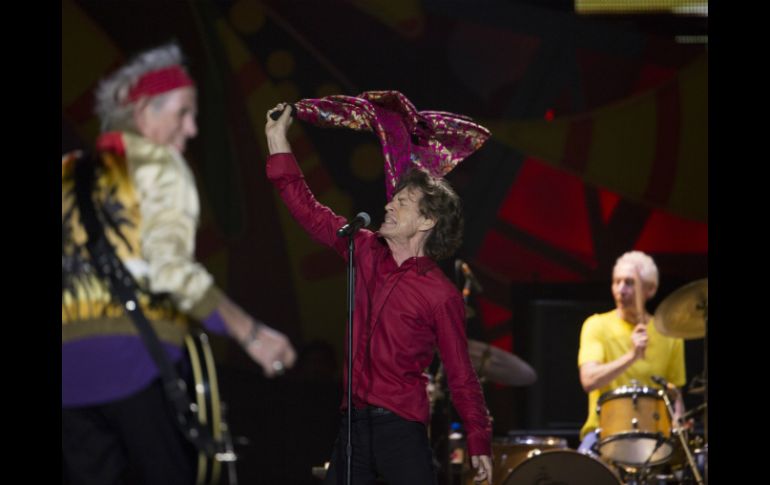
637	441
635	431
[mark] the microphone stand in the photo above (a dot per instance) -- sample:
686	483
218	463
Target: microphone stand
706	384
349	230
350	303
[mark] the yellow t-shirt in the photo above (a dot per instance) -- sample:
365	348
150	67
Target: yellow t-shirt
606	337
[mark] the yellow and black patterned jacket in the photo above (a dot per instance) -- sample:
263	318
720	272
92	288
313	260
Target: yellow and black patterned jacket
148	203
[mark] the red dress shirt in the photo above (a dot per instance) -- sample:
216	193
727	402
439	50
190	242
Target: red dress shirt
402	313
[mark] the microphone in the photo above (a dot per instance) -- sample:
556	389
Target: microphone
466	270
663	383
361	220
277	114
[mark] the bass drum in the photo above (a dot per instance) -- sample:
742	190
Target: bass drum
508	453
565	467
512	452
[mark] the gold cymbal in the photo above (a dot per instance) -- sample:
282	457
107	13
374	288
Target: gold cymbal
499	366
683	313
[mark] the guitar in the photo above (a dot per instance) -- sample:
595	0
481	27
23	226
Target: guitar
208	408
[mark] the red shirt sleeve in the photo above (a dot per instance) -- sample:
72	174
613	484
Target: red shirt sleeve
320	222
463	383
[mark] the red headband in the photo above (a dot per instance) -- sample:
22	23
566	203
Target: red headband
159	81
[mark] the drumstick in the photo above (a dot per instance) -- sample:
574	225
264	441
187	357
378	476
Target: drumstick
639	300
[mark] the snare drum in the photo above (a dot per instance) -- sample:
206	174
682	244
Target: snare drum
562	467
634	426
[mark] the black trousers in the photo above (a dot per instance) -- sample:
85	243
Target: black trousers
131	441
384	445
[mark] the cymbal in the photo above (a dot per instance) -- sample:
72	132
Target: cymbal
500	366
683	313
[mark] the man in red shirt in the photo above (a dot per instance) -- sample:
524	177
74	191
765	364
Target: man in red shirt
404	308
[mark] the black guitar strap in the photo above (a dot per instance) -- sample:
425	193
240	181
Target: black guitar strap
123	286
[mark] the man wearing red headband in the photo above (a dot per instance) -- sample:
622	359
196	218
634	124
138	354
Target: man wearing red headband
116	423
404	309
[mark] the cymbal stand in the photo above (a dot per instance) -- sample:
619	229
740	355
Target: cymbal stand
485	356
681	434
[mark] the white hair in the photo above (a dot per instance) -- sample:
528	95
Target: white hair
644	264
112	107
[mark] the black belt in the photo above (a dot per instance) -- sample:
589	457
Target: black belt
370	411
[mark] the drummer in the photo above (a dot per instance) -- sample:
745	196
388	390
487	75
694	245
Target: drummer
623	345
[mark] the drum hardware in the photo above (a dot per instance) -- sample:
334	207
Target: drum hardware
694	412
697	385
684	314
674	472
679	431
678	466
645	468
638	476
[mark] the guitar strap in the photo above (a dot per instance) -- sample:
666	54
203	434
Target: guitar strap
123	286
